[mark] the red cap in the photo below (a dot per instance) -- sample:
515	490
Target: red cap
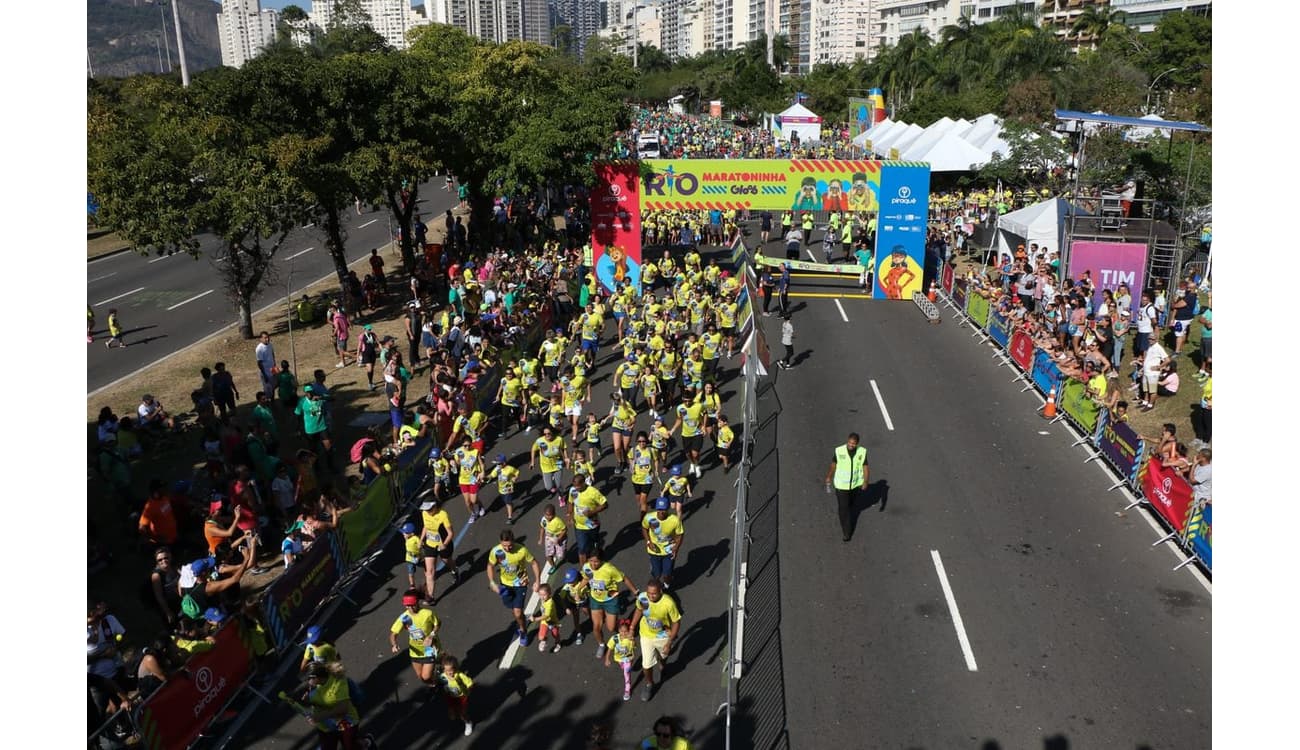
410	601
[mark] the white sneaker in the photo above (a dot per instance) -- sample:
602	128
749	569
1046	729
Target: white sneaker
481	512
556	648
469	728
541	646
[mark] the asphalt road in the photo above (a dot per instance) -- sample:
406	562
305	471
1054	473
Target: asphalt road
1081	635
168	303
542	700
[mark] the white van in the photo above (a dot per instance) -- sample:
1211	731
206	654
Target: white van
647	146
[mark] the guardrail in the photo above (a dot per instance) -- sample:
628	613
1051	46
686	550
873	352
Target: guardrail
1114	443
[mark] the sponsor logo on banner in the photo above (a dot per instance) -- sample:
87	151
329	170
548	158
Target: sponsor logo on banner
945	279
290	601
177	712
998	328
1022	350
1121	446
777	184
1078	405
1167	492
1111	264
900	241
1201	536
1045	374
616	224
839	269
959	293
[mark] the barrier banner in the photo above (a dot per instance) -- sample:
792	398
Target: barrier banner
616	224
1168	493
1200	535
1045	374
945	279
173	717
289	602
999	328
1110	263
1078	405
1022	350
360	528
839	269
1122	448
959	293
977	309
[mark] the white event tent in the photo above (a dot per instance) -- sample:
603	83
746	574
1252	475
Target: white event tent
797	119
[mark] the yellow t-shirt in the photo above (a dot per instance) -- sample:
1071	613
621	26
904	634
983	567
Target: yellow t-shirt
510	390
554	527
417	626
624	416
574	391
725	436
505	476
456	685
471	469
434	523
333	691
412	545
550	613
692	419
643	463
662	531
603	583
1098	385
621	649
657	617
510	565
585	505
549	453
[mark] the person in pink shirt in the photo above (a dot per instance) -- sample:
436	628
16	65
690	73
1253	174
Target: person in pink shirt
341	327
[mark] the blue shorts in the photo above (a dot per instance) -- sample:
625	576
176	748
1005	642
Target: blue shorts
661	566
587	539
624	433
610	605
619	315
427	340
410	568
508	498
395	416
514	596
589	345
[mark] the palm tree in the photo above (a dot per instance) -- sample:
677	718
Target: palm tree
963	53
1093	22
912	64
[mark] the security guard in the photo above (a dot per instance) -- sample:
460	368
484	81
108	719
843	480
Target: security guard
848	472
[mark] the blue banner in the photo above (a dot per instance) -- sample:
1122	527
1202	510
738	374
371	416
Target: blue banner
999	330
290	601
1202	539
901	230
1045	373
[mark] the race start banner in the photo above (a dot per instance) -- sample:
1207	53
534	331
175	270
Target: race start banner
1167	492
838	269
616	224
173	717
1110	264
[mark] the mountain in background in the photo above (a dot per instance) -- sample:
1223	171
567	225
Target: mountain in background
123	37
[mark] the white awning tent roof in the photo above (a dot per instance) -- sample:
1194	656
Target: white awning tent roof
1139	134
1043	223
950	154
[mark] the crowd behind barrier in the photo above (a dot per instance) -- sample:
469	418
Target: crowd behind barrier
1107	437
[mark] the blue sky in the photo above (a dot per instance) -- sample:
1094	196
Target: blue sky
305	4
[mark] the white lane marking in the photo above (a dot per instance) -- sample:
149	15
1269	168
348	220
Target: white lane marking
215	333
160	257
120	296
952	609
841	307
309	226
880	400
368	223
509	658
101	278
191	299
811	257
300	252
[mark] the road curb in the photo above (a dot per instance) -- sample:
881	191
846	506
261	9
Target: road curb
110	254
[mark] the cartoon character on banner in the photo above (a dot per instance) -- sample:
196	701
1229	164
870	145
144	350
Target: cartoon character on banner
807	199
615	267
901	272
835	198
861	196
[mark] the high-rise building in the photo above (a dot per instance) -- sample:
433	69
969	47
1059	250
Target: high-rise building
502	20
583	17
391	19
898	18
841	31
646	31
244	30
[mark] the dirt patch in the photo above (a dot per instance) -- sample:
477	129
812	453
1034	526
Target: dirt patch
101	242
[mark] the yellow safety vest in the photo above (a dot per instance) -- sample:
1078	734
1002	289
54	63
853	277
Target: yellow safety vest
848	469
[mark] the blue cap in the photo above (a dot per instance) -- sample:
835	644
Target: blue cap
203	564
214	615
436	453
313	635
661	503
408	528
570	575
501	458
676	470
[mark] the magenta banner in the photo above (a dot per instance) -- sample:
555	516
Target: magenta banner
1111	264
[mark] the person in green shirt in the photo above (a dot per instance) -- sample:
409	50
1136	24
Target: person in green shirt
312	410
286	385
264	419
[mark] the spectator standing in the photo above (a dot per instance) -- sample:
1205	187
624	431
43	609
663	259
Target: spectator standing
1184	313
413	323
265	356
341	326
1145	322
1202	476
783	289
1152	362
787	340
224	390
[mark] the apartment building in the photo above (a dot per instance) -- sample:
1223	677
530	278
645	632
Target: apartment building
583	17
646	28
841	31
898	18
244	30
391	19
501	20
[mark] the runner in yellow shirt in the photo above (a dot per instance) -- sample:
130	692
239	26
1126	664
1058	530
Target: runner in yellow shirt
439	537
470	466
421	626
505	474
646	467
508	578
659	620
586	503
663	533
603	582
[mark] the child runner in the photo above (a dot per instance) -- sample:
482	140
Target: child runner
622	646
552	538
115	330
593	438
456	686
411	542
550	617
576	598
505	474
726	436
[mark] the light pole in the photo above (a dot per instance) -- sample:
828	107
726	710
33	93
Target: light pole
1147	108
180	47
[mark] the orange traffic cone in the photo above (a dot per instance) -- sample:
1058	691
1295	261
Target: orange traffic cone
1049	408
933	293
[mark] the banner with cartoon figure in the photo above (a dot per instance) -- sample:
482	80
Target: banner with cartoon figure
781	184
616	224
901	230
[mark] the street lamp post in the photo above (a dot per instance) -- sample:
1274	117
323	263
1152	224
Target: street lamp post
1147	108
180	46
